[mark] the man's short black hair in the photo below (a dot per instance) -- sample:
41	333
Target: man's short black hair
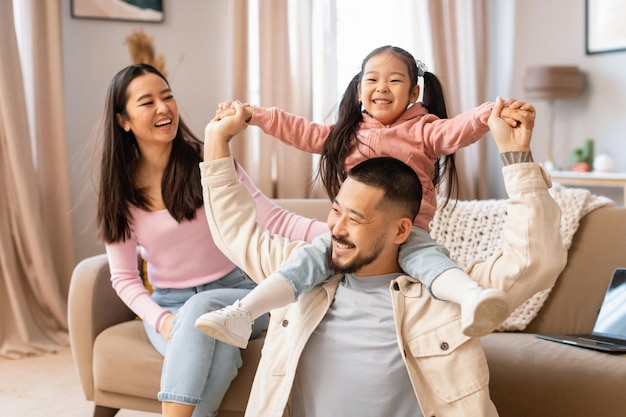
400	184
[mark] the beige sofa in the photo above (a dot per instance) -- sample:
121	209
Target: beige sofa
118	368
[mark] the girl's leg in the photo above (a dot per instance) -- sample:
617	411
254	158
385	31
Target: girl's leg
273	292
306	268
482	309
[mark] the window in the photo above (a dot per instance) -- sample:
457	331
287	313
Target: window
363	25
341	33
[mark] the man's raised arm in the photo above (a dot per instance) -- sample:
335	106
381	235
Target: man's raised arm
229	207
533	255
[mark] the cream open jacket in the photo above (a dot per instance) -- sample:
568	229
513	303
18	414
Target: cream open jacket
447	369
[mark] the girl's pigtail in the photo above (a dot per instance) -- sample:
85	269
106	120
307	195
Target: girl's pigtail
445	166
339	143
434	99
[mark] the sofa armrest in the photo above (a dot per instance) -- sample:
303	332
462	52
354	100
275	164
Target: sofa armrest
597	249
93	306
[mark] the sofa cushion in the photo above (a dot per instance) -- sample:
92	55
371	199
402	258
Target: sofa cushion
537	377
473	230
125	362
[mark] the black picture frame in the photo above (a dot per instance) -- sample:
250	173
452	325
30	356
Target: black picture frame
604	28
145	11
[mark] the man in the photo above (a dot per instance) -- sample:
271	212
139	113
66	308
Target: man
370	340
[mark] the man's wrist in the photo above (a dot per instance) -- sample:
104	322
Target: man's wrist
516	157
216	148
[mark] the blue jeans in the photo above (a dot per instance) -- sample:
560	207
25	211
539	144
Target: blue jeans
197	370
420	257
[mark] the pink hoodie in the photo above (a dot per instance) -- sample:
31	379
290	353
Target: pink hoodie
416	138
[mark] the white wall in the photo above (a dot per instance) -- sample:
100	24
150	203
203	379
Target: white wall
553	33
194	40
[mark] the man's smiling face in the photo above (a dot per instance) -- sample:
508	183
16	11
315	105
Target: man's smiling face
362	231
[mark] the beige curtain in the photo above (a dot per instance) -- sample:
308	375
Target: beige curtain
240	147
459	38
458	31
285	82
36	252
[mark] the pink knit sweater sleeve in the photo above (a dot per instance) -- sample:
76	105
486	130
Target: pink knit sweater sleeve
278	220
290	129
128	285
122	256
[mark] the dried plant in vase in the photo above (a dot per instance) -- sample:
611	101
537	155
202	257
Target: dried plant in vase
141	48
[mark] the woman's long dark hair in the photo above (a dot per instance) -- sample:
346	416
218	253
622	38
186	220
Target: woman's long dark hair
343	137
181	188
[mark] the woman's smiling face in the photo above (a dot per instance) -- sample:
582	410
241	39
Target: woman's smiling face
151	110
386	89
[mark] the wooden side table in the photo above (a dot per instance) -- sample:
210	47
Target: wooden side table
591	179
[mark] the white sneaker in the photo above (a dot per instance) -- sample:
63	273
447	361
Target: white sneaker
483	310
232	325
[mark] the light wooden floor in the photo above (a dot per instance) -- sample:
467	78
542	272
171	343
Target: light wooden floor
45	386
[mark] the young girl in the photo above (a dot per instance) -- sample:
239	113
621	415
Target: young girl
378	116
150	195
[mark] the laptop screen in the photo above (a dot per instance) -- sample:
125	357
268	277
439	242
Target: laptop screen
611	320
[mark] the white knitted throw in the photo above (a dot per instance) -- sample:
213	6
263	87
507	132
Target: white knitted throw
473	231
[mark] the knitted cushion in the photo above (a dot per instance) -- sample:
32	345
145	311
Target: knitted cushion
473	230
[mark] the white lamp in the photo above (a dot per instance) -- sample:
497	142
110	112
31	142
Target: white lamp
551	83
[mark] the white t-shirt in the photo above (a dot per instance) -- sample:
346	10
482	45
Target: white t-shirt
352	365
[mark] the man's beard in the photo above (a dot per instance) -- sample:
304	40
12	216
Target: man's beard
357	263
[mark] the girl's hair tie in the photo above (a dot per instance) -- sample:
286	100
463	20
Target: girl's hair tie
421	68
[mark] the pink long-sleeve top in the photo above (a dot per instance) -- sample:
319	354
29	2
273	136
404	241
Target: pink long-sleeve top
417	138
184	255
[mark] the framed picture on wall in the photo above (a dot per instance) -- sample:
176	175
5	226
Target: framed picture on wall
604	26
149	11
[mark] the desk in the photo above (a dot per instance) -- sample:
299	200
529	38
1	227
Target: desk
591	179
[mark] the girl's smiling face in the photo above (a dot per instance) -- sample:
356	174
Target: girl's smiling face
151	110
386	89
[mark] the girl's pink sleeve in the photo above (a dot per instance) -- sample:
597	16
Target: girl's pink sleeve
290	129
278	220
128	285
446	136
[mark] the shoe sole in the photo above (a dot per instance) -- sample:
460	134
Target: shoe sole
488	315
218	332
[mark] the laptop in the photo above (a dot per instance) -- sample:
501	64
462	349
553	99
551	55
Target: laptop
609	331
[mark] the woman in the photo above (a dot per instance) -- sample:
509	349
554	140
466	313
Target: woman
150	196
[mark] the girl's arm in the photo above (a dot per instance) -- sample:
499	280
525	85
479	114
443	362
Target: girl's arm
446	136
290	129
278	220
128	285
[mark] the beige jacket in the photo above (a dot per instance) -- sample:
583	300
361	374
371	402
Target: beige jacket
447	369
